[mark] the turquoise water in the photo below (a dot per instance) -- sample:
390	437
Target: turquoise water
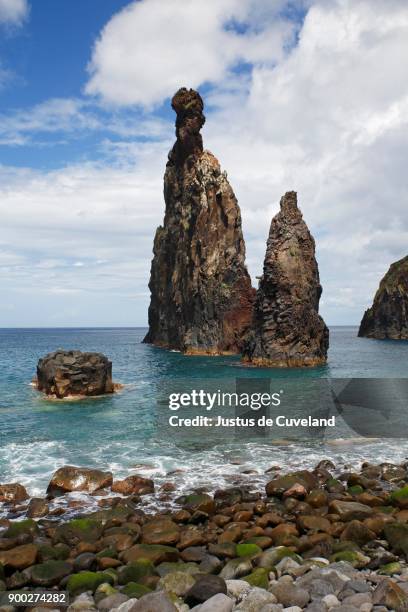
119	432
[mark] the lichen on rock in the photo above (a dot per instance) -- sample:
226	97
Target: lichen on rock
201	294
388	316
287	330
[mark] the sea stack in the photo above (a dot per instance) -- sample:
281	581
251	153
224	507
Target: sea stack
388	316
201	293
287	330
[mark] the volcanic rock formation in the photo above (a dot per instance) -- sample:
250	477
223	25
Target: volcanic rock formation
287	329
388	316
201	294
74	374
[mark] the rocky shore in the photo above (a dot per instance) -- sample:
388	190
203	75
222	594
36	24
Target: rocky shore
315	540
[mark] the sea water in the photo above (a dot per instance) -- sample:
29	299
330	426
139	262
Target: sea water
120	432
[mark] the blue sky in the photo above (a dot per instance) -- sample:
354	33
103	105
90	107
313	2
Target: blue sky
308	95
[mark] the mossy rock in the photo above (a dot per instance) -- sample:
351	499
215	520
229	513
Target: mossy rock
400	497
271	557
261	541
385	509
112	553
87	581
397	536
248	550
79	530
390	569
201	502
355	558
343	545
135	590
168	568
156	553
49	573
258	578
121	512
104	590
27	526
51	553
355	490
334	486
133	572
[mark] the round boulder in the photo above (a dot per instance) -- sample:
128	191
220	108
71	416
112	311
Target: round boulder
74	374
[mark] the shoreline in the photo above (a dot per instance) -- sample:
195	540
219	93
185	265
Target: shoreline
262	543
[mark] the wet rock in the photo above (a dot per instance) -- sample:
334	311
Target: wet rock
287	329
49	573
256	600
19	557
74	374
37	508
388	316
87	581
204	588
85	561
199	502
133	485
236	568
357	532
349	511
79	531
397	536
161	531
152	552
279	485
12	493
112	601
201	294
70	478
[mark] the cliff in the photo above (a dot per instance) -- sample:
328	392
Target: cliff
388	316
287	330
201	294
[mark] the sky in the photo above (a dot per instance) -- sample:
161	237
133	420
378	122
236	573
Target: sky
304	95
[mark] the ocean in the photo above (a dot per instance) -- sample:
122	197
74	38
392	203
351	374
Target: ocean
121	432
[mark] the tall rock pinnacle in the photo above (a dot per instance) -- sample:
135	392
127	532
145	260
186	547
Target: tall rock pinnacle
287	329
201	294
388	316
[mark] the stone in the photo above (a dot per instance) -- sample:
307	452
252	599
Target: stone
87	581
12	493
238	589
161	531
256	600
85	561
279	485
349	511
19	557
83	603
290	595
155	553
152	602
388	315
400	497
389	594
37	508
201	293
135	571
74	374
78	531
112	601
135	590
287	330
357	532
49	573
397	536
70	478
178	583
199	502
236	568
204	588
133	485
217	603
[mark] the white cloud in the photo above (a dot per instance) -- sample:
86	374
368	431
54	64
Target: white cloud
327	118
151	48
13	11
